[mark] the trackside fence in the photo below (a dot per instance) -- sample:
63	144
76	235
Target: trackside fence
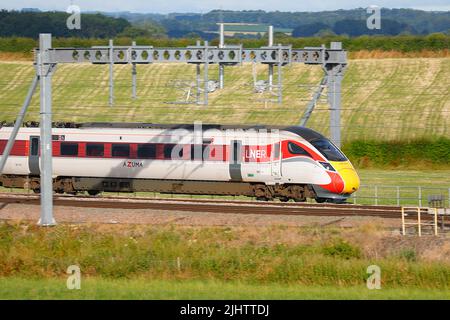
417	196
399	195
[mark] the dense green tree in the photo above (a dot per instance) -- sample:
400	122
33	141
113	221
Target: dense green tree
359	27
30	24
309	30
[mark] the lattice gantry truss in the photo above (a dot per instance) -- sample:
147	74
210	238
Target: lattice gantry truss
333	61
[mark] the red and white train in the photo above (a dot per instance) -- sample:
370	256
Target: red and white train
265	162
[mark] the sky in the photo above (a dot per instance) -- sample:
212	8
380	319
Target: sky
203	6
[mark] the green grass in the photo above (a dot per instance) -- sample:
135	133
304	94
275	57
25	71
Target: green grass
382	99
97	288
307	257
432	182
396	177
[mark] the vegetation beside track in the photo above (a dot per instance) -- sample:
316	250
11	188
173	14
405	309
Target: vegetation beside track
101	288
408	45
416	154
270	256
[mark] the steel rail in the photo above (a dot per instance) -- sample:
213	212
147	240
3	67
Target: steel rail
211	205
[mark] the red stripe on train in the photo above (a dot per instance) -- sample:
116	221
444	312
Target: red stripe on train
20	148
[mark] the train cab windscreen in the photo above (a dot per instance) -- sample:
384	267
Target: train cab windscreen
328	149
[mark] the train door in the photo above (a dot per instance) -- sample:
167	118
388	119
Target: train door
276	160
235	159
33	155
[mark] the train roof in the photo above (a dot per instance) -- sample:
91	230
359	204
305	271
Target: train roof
305	133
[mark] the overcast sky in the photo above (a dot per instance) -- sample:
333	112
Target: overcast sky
166	6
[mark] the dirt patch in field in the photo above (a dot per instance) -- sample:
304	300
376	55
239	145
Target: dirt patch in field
15	56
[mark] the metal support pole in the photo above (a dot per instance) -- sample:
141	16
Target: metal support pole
312	104
270	44
45	70
221	66
111	71
334	82
198	83
18	123
206	80
133	75
221	76
280	77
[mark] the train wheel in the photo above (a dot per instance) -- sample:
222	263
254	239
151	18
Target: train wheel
262	199
284	199
93	192
37	190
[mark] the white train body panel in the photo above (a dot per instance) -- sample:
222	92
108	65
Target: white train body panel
272	169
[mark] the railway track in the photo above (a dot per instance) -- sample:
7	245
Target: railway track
210	205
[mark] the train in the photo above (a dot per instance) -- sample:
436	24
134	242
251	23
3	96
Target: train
265	162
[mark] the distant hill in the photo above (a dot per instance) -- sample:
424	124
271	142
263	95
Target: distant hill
29	22
349	22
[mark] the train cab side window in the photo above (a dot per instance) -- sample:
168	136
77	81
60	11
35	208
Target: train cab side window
95	150
69	149
328	149
120	150
146	151
296	149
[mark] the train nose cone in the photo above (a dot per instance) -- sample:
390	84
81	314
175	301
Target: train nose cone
348	174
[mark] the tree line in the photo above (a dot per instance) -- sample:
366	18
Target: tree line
404	43
305	24
30	24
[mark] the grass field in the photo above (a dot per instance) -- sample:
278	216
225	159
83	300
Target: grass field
308	257
385	99
430	181
96	288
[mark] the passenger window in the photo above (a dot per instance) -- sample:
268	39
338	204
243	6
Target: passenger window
95	150
146	151
34	146
120	150
168	148
69	149
296	149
